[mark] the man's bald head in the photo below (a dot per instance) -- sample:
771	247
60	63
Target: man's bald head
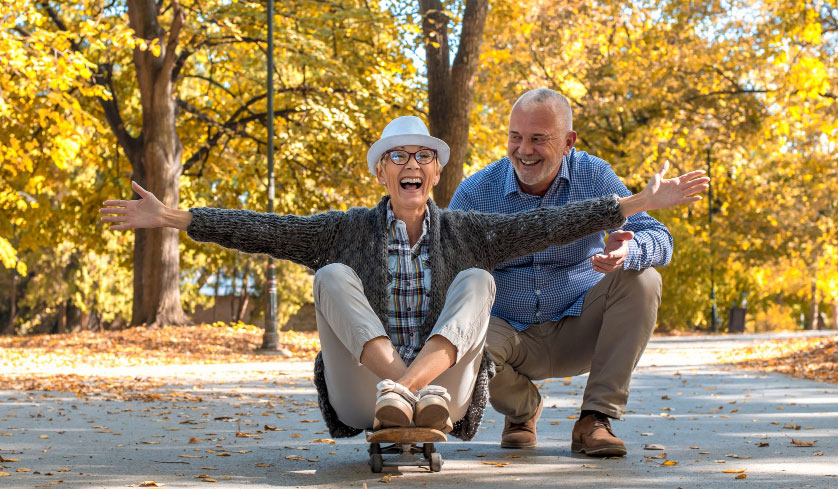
550	98
540	136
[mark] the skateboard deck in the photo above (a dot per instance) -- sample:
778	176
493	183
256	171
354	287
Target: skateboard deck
405	445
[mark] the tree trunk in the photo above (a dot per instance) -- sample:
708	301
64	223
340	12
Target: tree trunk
156	163
215	295
451	86
61	328
813	307
9	329
834	314
244	297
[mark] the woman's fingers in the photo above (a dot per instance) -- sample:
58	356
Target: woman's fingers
113	210
119	203
140	191
663	168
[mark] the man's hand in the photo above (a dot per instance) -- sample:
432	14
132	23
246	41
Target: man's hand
615	253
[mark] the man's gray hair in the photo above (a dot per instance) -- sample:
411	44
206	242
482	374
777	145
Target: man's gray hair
544	95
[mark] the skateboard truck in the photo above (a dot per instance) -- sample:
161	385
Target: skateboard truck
405	445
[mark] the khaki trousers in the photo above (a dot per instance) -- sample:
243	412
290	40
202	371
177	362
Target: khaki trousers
346	322
607	340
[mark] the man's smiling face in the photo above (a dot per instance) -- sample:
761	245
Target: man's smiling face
539	137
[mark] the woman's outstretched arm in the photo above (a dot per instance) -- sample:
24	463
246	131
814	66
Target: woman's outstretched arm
306	240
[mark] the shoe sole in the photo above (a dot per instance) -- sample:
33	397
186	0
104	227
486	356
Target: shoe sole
606	451
432	413
389	414
519	446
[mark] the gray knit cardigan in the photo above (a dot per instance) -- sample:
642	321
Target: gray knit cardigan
358	238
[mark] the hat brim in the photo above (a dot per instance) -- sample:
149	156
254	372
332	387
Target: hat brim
379	147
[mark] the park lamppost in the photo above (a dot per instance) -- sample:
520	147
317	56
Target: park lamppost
270	338
710	127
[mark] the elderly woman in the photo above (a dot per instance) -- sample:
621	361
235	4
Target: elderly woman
402	291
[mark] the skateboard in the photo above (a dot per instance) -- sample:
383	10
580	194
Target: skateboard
405	445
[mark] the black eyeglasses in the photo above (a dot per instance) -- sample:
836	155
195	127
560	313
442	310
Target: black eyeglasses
401	157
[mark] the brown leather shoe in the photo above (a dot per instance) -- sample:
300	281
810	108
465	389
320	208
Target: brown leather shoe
521	435
592	435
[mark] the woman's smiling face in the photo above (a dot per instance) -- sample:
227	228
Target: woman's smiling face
409	185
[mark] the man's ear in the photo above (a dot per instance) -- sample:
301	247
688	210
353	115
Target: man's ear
570	141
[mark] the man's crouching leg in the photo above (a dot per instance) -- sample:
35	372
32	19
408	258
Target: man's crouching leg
622	308
517	358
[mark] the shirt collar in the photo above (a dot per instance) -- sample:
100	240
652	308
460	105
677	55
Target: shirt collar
426	222
511	185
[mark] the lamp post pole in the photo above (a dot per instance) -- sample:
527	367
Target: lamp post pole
270	338
710	126
713	323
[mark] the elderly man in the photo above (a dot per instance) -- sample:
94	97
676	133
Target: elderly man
589	306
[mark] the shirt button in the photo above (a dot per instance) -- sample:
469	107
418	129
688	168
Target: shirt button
538	313
537	292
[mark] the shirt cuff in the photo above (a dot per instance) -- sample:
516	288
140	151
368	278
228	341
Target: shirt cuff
634	259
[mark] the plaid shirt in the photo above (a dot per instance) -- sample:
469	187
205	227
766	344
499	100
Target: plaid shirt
410	284
551	284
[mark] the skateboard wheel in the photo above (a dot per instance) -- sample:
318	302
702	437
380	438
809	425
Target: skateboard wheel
436	462
427	450
374	448
376	463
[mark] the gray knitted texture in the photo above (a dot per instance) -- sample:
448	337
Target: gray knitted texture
358	238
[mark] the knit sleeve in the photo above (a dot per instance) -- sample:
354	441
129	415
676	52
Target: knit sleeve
509	236
302	239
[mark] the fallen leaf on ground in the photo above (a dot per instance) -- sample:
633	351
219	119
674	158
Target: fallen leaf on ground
385	478
653	446
324	440
497	464
589	466
733	471
669	462
22	469
801	443
194	440
741	476
9	459
5	474
148	484
191	456
264	465
762	444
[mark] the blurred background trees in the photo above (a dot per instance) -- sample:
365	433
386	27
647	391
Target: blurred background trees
745	89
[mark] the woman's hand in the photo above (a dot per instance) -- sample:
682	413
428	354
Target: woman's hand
148	212
661	193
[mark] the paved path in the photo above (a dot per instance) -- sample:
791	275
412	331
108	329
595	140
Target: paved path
709	418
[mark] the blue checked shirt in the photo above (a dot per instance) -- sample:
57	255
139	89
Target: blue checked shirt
551	284
410	285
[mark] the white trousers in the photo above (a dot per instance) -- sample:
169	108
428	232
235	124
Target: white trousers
346	322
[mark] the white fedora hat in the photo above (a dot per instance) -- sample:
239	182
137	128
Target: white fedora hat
406	131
